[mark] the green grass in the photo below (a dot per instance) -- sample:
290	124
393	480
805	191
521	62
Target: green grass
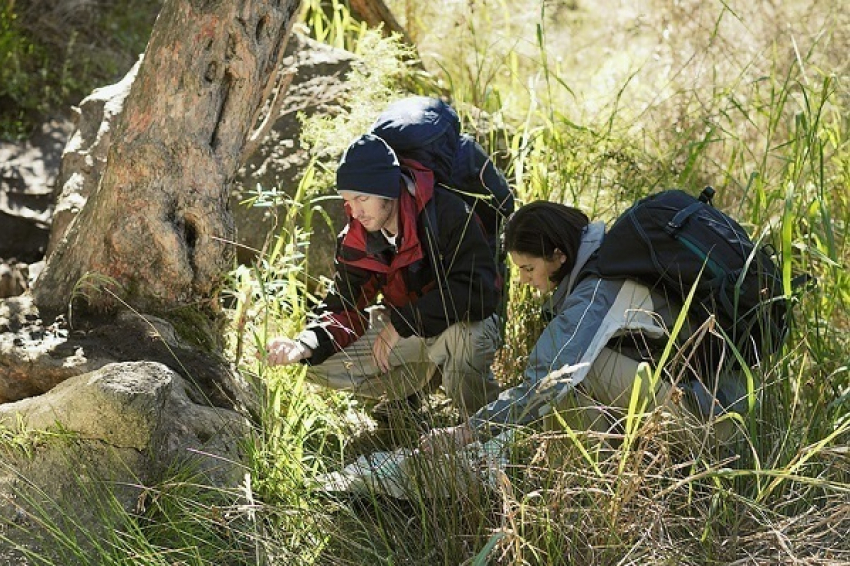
595	109
770	133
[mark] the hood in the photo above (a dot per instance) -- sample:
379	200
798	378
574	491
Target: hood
591	239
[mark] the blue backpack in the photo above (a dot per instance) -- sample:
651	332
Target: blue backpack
427	130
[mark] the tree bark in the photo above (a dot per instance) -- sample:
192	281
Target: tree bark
158	227
376	13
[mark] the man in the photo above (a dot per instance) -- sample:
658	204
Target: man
421	253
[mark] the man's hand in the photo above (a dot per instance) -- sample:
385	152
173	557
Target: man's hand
387	339
285	351
447	439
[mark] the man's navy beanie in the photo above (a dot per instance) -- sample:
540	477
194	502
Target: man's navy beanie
371	167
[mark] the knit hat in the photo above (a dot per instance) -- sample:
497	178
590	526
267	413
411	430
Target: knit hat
371	167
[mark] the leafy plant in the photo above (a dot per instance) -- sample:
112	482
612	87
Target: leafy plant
53	54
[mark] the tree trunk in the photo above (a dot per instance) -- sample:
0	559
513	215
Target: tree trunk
376	13
157	230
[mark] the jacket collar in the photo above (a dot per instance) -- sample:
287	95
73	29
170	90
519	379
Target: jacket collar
420	190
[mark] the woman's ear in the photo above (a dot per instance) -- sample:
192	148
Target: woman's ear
559	256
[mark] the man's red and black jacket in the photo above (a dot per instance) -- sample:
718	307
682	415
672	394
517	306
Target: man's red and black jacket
442	273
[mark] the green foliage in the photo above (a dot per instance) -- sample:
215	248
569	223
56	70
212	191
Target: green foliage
595	112
331	23
53	54
376	77
768	131
15	80
180	520
22	441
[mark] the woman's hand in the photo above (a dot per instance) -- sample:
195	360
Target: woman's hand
442	440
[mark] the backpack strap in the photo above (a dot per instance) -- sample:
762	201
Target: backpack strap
681	217
674	225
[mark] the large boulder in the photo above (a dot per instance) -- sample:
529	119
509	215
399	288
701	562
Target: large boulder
119	404
103	438
36	356
28	172
145	407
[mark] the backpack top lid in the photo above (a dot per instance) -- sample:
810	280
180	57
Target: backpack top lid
424	129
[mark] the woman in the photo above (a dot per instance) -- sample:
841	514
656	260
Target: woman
599	333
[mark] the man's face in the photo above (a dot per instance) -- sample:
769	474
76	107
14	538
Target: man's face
372	212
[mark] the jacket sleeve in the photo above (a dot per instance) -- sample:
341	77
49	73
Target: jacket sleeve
596	311
465	272
341	318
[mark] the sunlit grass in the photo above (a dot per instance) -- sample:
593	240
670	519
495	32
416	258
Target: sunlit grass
763	120
593	108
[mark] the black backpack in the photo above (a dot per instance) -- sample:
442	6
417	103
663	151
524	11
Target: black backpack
673	241
427	130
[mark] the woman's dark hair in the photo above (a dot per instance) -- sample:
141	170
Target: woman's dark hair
541	227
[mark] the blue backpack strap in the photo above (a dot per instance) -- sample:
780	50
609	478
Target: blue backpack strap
681	217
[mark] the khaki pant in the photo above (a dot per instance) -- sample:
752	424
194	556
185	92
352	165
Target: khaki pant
601	402
462	354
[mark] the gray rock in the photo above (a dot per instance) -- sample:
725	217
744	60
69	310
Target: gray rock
36	356
107	436
13	278
137	405
27	173
280	161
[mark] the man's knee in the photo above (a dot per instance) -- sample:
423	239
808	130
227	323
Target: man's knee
471	341
456	335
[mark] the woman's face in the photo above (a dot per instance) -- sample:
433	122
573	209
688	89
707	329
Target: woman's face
537	271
